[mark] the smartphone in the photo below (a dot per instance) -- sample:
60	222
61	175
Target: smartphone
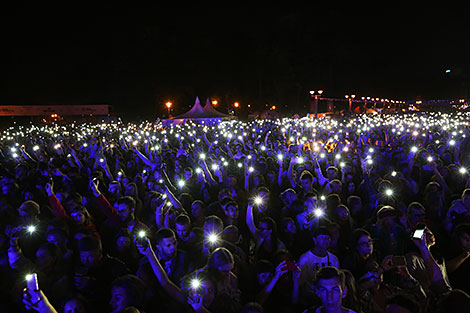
32	284
398	260
418	234
290	266
141	239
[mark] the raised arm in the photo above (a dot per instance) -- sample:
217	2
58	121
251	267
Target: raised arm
174	291
264	294
174	201
145	159
55	204
289	173
104	204
250	221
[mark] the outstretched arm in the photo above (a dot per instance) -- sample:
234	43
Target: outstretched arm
250	221
174	291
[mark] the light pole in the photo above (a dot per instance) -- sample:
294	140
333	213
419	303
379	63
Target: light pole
350	99
168	105
315	96
236	105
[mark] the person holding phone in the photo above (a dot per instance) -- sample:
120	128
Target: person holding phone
267	279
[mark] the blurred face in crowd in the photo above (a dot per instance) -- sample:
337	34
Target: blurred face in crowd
27	195
44	259
206	195
331	174
207	291
257	180
335	234
271	177
167	248
322	242
365	246
123	243
335	186
225	270
119	299
114	188
331	293
231	211
183	231
125	181
290	197
21	173
464	240
264	231
306	183
264	278
342	212
188	174
150	184
355	208
74	306
56	239
125	212
90	258
351	187
290	227
197	209
231	234
78	217
416	215
231	181
387	221
131	190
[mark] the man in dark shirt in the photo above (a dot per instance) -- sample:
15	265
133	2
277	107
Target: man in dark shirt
96	271
123	216
175	262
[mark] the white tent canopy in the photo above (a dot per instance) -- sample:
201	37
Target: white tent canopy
207	114
209	108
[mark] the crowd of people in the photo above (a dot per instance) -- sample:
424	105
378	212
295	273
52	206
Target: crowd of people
368	214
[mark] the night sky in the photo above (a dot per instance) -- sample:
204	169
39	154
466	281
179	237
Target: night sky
138	58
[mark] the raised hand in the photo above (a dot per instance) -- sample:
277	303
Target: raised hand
50	187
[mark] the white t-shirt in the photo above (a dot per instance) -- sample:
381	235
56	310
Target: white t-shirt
309	264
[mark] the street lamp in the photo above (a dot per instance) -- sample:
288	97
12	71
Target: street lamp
214	102
236	105
350	99
315	96
168	105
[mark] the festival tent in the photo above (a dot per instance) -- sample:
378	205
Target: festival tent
209	108
198	113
